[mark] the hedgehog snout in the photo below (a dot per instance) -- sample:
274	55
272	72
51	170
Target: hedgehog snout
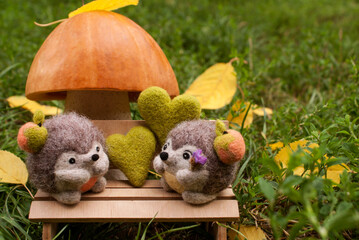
164	156
95	157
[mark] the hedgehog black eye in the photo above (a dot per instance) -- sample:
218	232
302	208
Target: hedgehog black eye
72	160
186	155
165	146
97	148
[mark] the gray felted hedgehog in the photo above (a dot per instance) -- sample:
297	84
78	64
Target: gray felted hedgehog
67	156
199	159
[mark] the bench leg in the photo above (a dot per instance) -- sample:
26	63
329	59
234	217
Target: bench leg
218	232
49	231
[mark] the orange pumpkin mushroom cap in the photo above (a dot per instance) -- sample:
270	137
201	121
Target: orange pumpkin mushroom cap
99	50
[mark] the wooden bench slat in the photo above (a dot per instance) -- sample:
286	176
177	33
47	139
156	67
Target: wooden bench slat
134	211
132	194
126	184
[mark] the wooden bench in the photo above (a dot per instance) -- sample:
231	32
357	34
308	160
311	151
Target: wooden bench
120	202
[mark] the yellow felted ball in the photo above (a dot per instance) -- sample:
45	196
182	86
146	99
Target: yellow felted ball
132	153
38	117
162	114
36	138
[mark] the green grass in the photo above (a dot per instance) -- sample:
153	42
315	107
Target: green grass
303	61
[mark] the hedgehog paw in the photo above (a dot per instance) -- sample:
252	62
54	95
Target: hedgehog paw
99	185
68	197
197	198
165	185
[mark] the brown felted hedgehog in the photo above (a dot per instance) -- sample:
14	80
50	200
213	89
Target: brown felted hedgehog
199	159
67	156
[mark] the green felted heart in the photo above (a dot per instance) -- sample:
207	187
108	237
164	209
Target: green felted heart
132	153
162	114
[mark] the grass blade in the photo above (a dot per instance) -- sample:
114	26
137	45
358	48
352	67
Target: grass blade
16	225
174	230
145	231
6	70
59	233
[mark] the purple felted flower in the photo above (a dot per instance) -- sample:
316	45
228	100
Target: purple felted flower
199	158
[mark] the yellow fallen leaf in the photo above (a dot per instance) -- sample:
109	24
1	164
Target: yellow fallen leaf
259	111
282	157
333	172
215	87
32	106
107	5
284	154
275	146
238	118
12	169
250	233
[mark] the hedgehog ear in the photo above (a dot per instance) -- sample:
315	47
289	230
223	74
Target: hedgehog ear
32	136
220	127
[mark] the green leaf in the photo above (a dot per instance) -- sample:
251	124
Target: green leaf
241	170
345	218
293	234
267	189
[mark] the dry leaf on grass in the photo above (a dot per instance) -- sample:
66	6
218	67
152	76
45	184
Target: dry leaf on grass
242	111
250	233
282	157
12	169
215	87
32	106
106	5
275	146
260	111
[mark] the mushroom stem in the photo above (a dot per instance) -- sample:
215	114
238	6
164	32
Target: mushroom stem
99	105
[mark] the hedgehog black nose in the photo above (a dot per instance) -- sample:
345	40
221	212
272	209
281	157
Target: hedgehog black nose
164	156
95	157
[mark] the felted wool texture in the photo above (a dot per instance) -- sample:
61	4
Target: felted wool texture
197	198
162	114
230	147
223	141
132	153
21	138
66	132
36	138
220	128
69	197
39	117
201	133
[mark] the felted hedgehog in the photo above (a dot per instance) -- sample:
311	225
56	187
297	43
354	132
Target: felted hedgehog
199	159
67	156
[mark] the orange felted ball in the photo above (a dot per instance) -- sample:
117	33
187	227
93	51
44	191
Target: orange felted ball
22	141
230	147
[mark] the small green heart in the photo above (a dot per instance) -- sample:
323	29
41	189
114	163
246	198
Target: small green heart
162	114
132	153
